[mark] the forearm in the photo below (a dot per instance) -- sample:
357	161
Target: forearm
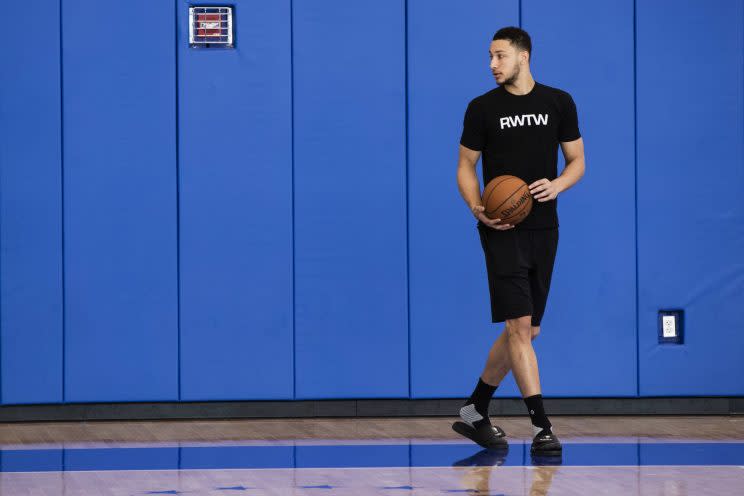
469	186
571	174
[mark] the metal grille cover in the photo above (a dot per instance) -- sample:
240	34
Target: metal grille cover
210	27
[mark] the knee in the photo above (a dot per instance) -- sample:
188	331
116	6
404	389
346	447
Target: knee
535	332
519	328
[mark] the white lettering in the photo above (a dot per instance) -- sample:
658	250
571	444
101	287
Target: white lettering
520	120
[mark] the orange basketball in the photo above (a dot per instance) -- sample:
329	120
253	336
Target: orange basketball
507	198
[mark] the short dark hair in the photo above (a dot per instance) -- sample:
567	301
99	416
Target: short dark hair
517	37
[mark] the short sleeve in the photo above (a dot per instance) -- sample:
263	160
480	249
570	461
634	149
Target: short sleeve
568	130
473	128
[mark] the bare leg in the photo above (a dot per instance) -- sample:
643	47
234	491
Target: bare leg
498	363
522	355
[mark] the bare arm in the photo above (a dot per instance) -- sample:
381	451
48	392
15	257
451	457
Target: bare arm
469	186
573	151
467	178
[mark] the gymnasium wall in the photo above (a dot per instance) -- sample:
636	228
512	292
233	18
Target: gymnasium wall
282	220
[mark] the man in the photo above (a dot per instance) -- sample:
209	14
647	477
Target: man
517	128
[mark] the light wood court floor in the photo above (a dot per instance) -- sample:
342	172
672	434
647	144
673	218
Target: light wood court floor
718	428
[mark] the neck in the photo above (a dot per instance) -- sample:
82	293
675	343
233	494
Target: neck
521	86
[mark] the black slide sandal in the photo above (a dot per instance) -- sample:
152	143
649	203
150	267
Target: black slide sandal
486	435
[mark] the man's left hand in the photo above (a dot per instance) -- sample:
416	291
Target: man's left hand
544	190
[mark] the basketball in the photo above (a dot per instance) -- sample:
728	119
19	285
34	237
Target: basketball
507	198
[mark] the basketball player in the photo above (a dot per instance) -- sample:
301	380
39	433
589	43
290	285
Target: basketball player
517	128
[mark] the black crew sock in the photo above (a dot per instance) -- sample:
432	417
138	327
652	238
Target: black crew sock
481	397
537	412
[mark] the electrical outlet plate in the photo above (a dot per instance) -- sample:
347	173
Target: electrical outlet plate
670	326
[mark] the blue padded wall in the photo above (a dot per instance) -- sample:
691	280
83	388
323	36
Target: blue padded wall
236	209
31	208
587	345
450	317
120	201
350	199
308	212
690	209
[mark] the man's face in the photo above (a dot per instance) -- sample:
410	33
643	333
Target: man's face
505	61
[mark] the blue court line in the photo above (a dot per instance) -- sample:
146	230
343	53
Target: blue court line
363	456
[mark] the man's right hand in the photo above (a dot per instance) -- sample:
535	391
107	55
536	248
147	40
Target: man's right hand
478	212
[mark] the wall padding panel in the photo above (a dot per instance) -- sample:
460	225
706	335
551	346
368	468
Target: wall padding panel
587	345
350	199
448	65
449	301
120	201
236	209
690	206
31	208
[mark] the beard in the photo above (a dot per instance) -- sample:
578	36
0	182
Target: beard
513	78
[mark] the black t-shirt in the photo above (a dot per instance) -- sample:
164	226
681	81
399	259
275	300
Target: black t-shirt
519	135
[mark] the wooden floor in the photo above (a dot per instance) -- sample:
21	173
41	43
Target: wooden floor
434	428
68	455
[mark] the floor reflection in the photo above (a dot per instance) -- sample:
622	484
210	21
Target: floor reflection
360	469
364	456
477	480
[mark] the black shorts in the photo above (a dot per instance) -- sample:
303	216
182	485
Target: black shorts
520	266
